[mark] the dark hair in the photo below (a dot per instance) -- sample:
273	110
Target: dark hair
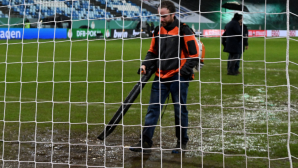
169	5
237	16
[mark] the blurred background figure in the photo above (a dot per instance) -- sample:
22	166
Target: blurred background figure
233	43
243	27
27	23
143	25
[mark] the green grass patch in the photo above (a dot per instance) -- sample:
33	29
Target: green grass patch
65	91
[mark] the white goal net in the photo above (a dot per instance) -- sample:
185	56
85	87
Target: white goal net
67	67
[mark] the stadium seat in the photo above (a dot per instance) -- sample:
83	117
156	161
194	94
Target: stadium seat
79	9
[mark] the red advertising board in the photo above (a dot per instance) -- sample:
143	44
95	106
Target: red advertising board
256	33
275	33
212	32
292	33
253	33
218	33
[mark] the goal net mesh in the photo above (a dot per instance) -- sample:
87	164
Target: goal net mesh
68	66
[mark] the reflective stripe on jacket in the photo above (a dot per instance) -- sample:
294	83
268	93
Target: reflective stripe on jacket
173	52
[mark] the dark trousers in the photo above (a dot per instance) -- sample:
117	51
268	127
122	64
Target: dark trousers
233	64
159	93
238	64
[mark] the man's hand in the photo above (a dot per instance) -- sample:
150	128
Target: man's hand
246	47
143	69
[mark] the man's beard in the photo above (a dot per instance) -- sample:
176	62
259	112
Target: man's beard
164	24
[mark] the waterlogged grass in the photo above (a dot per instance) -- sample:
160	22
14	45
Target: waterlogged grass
62	91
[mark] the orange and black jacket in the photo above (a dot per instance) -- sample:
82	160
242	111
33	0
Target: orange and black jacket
172	53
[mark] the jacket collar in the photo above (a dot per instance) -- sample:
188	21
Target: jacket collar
235	19
174	24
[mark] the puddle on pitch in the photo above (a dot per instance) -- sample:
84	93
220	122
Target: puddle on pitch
60	148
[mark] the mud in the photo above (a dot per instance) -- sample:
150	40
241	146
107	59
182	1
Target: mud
58	152
59	149
58	146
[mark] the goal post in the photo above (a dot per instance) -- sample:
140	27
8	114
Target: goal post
66	66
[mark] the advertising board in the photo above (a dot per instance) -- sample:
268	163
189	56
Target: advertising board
90	33
32	33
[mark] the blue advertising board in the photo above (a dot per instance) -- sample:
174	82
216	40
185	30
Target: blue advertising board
32	33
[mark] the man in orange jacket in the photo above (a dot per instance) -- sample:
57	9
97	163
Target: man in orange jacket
175	52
